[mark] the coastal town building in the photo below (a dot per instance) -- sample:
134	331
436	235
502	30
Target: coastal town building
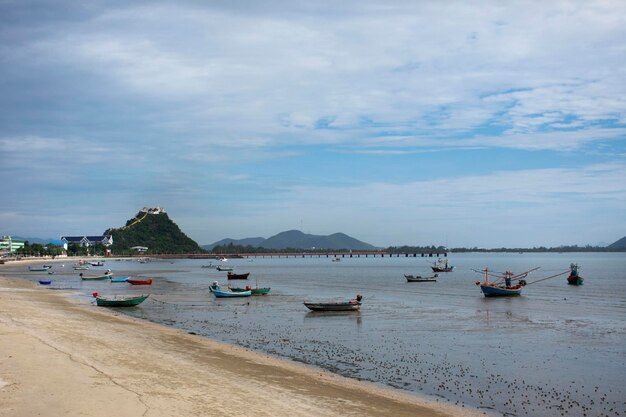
9	245
106	240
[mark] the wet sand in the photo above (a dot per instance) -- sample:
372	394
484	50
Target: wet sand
61	358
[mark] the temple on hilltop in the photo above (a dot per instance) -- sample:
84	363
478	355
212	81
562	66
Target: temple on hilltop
153	210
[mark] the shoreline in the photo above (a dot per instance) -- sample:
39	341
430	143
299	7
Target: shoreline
59	351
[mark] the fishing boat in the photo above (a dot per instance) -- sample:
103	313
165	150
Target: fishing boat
232	275
215	286
223	268
351	305
96	278
140	281
411	278
574	278
38	268
210	265
123	301
442	266
45	281
99	263
119	279
228	294
78	267
337	260
254	291
506	284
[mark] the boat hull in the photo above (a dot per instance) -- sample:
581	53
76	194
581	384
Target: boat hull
45	282
437	269
254	291
229	294
140	281
575	280
344	306
120	279
411	278
101	278
230	275
38	269
120	302
495	291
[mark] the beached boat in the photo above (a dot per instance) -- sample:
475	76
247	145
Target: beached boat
129	301
232	275
228	294
411	278
99	263
119	279
38	268
254	291
574	278
223	268
140	281
351	305
45	281
442	266
95	278
506	284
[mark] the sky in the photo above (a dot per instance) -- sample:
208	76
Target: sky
464	124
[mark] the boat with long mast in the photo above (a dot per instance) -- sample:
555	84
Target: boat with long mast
506	284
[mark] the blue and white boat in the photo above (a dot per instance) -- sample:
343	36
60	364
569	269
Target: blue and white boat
119	279
506	284
228	294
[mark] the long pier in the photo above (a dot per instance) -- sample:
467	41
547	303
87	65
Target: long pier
330	254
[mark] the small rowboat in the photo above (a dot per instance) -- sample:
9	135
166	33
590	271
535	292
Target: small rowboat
232	275
38	269
223	268
254	291
119	279
45	281
411	278
130	301
229	294
352	305
96	278
140	281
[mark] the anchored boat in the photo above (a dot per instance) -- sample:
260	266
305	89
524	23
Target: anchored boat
351	305
574	278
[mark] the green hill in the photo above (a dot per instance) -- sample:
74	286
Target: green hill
157	232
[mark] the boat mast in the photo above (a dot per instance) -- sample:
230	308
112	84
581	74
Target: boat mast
487	275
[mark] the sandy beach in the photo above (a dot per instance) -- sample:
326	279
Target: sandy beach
62	358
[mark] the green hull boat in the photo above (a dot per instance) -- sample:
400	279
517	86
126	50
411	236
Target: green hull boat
121	302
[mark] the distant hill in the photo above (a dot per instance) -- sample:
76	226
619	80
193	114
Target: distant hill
295	239
32	240
620	244
155	231
252	241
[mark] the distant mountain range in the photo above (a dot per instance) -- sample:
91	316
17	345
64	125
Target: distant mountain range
31	240
295	239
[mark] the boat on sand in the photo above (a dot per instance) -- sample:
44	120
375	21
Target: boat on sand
350	305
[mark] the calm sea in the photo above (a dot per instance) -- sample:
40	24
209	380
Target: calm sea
556	350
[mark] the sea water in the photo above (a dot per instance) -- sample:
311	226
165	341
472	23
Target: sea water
555	350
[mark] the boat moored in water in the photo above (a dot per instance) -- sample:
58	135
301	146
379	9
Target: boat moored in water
574	278
442	266
506	284
411	278
232	275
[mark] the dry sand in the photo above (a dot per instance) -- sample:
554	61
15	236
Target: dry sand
60	358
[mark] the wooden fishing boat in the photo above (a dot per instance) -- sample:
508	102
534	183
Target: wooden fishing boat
506	284
411	278
442	266
574	278
45	281
140	281
223	268
38	268
229	294
120	279
80	267
232	275
254	291
99	263
351	305
96	278
129	301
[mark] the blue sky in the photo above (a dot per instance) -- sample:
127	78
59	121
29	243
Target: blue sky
400	122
